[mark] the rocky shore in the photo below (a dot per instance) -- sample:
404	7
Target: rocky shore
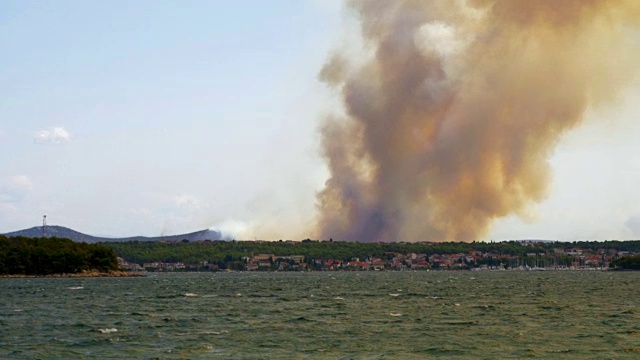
83	274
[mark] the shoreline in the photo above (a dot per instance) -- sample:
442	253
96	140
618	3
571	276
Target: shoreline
84	274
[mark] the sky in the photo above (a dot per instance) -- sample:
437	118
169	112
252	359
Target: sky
158	118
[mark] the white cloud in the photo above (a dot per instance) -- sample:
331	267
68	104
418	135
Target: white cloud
56	135
14	188
21	181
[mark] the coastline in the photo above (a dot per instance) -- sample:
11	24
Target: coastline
84	274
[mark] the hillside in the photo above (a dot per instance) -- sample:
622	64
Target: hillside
64	232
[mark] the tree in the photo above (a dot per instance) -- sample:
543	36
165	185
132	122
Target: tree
46	256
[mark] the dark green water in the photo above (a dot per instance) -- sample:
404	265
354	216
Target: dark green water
367	315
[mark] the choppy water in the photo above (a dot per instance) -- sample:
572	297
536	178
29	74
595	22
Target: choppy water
366	315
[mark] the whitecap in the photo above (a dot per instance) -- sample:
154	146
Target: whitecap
190	295
395	314
338	298
75	287
213	332
108	331
394	295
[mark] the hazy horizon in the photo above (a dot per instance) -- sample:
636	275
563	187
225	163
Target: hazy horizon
228	237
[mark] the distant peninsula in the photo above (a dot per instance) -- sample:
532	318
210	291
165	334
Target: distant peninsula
83	274
56	257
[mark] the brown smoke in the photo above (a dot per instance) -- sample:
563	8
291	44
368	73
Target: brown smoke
450	122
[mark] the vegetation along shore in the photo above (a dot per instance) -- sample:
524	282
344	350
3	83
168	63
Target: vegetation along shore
56	257
82	274
312	255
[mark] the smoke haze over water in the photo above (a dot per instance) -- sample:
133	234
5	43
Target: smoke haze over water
452	118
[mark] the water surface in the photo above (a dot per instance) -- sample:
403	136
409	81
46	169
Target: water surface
333	315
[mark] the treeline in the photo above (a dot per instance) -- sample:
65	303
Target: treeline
224	253
627	263
46	256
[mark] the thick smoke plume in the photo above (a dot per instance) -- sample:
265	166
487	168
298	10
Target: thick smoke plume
451	119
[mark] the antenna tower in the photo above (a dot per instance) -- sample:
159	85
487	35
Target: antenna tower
44	225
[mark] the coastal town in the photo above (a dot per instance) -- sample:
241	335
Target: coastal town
555	258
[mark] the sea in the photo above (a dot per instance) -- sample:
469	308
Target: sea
324	315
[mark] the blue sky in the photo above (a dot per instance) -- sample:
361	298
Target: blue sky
180	115
148	118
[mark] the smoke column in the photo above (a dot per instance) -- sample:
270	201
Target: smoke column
450	120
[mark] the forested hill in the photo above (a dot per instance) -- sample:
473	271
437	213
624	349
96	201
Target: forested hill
66	233
58	232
